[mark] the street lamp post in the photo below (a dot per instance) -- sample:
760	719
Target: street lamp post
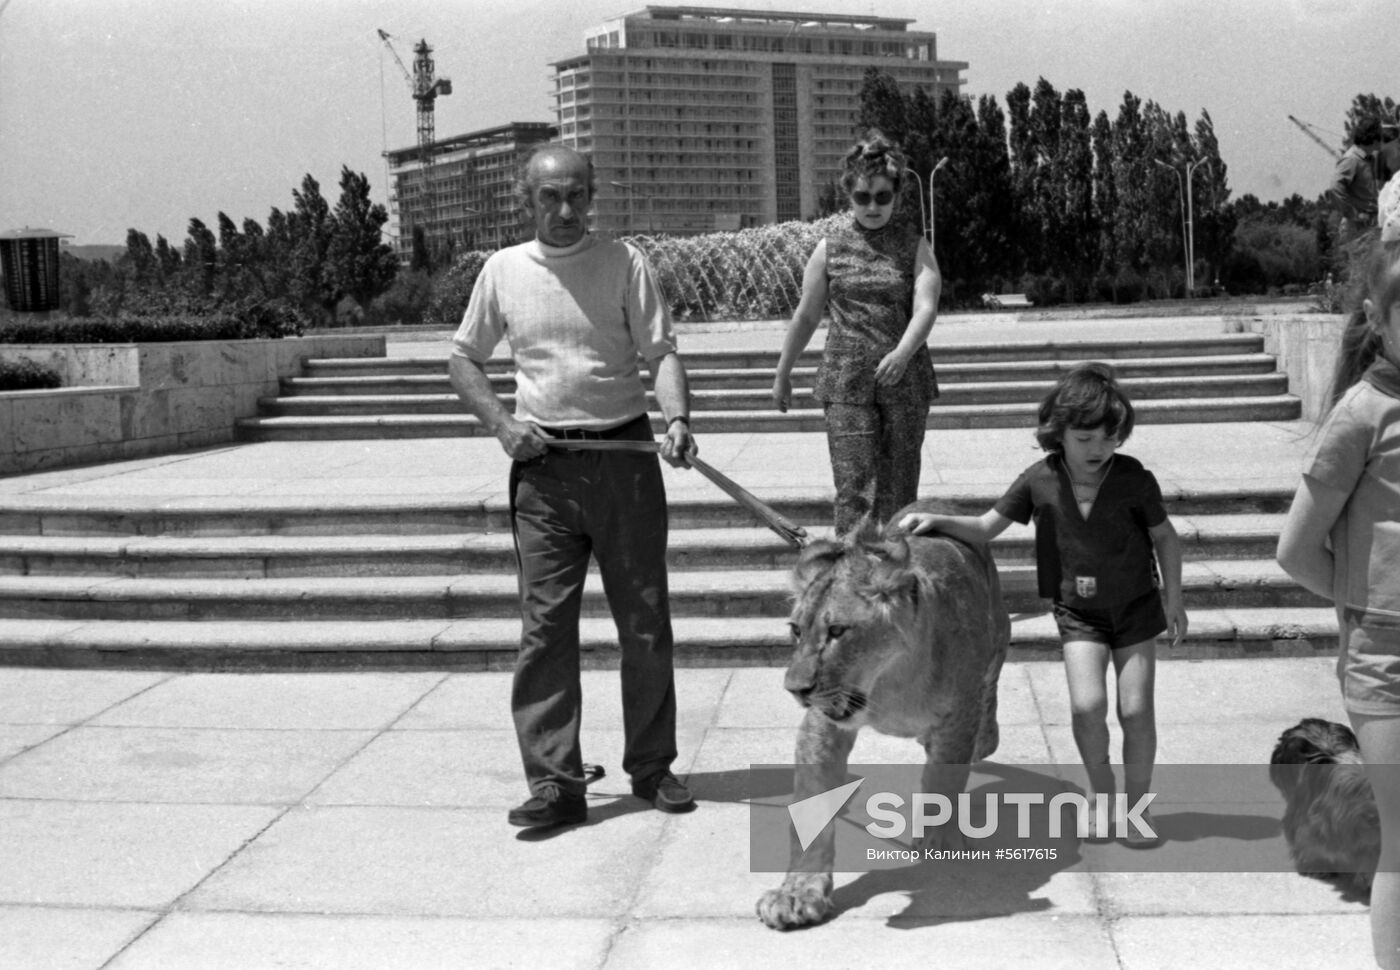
932	203
1188	219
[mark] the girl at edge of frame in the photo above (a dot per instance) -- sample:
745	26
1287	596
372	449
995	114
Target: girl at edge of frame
1341	540
1100	531
877	278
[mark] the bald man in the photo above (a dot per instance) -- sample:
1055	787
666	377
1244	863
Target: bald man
579	312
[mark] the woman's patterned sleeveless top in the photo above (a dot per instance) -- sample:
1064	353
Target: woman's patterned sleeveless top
870	297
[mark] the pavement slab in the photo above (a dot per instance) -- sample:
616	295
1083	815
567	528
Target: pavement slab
239	941
35	938
116	854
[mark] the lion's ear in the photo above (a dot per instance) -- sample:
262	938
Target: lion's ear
893	578
816	559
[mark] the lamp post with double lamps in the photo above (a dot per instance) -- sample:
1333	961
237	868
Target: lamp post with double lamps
1188	220
929	230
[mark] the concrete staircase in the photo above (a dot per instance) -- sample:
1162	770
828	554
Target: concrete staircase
1202	379
431	583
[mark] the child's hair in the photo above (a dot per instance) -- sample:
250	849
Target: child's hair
1087	397
1361	343
873	156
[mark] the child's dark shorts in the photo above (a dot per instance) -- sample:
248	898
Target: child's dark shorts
1116	627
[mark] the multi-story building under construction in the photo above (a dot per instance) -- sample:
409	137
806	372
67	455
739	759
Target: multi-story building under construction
701	118
697	119
464	197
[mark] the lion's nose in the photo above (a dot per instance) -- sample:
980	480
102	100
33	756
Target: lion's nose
799	681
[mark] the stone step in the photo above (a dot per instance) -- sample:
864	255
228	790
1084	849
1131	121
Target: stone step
273	557
756	399
1278	407
1018	350
491	643
41	515
1210	584
762	377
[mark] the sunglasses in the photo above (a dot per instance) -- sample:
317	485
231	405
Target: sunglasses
883	197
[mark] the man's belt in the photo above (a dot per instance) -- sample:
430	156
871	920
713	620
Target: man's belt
794	535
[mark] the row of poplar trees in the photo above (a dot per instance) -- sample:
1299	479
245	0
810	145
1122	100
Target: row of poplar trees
1044	194
307	259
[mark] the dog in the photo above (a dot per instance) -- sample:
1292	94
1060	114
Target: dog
1330	819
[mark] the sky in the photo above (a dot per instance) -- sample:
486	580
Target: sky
118	114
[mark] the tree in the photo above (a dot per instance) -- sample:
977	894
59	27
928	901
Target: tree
361	264
1073	240
1215	226
1024	160
1105	195
881	106
421	260
201	260
309	226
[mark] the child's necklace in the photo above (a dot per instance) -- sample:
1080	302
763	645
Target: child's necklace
1087	490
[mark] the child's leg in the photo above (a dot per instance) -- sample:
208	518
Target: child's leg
1136	670
1380	746
1086	665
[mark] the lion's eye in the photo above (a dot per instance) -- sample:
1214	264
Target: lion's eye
835	632
795	630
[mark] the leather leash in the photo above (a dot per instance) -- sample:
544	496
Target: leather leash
791	533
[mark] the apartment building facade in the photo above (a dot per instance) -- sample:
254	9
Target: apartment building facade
701	119
464	198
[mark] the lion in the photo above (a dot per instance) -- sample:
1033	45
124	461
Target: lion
900	633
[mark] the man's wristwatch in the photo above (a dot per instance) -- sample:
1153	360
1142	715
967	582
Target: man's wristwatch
684	419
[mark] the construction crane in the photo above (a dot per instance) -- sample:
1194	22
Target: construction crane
424	85
1308	130
425	89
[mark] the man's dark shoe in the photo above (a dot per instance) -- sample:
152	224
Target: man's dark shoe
550	806
665	792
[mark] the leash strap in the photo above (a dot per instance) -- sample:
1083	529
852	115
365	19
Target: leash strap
791	533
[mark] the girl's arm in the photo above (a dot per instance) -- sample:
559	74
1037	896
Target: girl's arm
805	320
969	528
1303	549
1168	548
928	284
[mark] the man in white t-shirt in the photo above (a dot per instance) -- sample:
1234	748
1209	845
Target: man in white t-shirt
578	313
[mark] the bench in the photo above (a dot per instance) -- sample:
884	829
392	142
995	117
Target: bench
1006	301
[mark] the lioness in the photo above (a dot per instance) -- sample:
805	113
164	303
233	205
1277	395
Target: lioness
904	634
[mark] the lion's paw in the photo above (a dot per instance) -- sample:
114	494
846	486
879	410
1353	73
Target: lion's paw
798	902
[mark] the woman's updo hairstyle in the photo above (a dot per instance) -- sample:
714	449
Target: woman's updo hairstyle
873	156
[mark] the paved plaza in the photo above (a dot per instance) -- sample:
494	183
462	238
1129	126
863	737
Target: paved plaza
157	819
358	820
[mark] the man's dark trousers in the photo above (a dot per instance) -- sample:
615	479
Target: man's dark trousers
566	506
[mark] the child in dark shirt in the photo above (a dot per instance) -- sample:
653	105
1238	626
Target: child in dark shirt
1098	522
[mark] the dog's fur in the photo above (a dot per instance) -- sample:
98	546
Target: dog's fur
1330	819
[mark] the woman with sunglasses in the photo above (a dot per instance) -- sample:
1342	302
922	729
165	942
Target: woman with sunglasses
876	277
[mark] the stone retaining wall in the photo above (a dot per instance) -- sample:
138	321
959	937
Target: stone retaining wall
1306	348
132	400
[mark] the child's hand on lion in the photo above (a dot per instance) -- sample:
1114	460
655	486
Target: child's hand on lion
919	523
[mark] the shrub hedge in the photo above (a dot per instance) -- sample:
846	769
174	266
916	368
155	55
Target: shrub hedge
252	321
27	375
